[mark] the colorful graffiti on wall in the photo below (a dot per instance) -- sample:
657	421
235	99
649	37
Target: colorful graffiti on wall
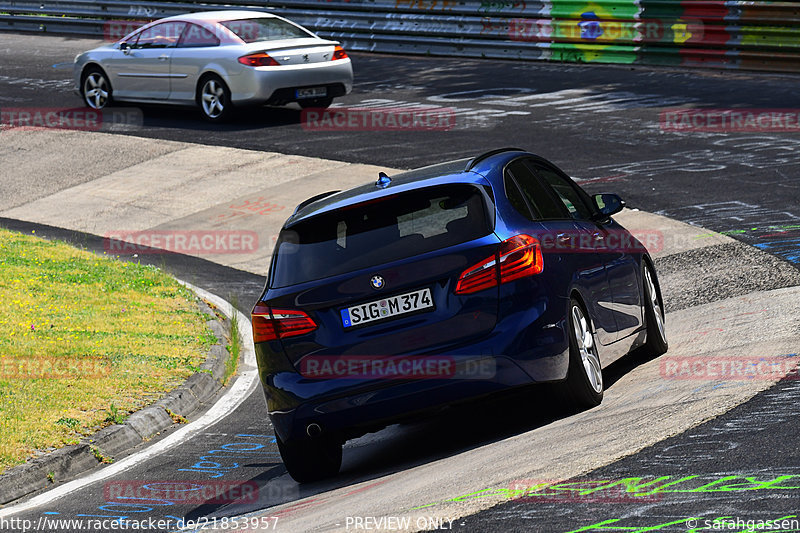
712	33
709	33
757	34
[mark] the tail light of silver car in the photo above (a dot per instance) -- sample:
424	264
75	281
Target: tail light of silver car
258	60
517	257
339	53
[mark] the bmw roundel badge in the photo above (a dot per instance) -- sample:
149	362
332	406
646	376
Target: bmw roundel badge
377	282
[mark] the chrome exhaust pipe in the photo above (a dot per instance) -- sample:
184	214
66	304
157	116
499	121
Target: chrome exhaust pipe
313	430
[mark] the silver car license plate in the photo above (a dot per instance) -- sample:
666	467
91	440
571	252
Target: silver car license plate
392	306
311	92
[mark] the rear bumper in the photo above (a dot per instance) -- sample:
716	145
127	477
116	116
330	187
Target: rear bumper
358	409
525	347
350	407
277	84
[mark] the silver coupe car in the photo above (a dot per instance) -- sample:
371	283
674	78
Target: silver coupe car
216	60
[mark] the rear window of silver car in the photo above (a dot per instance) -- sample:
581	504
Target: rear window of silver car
377	232
264	29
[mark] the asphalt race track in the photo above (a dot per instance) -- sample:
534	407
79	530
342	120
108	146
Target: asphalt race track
601	124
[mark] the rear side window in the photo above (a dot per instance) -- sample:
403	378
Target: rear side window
568	194
515	197
197	37
377	232
265	29
164	35
539	198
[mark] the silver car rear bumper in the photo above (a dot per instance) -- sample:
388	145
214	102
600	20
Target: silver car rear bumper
277	84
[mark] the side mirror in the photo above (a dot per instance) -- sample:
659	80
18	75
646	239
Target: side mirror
125	47
608	204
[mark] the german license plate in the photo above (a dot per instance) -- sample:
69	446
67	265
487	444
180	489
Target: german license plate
311	92
389	307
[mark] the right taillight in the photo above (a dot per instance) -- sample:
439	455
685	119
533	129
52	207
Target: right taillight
339	53
516	258
270	324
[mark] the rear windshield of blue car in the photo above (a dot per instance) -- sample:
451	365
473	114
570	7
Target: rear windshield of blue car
264	29
376	232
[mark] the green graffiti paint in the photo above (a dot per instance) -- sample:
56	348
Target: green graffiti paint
634	487
784	228
605	526
595	31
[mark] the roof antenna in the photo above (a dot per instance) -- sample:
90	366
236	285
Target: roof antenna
383	180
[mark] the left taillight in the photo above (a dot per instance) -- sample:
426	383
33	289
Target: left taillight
339	53
258	60
516	258
271	324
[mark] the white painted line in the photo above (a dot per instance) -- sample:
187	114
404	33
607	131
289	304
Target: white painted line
240	390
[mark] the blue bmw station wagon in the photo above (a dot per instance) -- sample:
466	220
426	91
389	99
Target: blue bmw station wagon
439	285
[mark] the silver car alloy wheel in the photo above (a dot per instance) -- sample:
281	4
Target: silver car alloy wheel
655	305
212	98
95	90
585	343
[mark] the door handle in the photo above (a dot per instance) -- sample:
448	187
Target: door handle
163	57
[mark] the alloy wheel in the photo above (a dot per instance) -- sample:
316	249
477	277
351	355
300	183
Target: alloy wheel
586	348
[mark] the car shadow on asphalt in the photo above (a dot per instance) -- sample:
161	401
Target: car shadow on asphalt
471	425
242	119
447	433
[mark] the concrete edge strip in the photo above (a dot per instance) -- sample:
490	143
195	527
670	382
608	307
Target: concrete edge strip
240	390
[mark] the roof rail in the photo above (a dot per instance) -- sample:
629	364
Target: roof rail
313	199
475	160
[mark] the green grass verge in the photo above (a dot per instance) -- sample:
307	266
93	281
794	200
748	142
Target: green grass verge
234	344
84	341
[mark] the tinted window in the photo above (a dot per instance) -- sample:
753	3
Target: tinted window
164	35
196	36
372	233
516	199
264	29
568	194
540	199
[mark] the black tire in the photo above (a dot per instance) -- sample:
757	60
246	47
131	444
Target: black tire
319	103
311	459
96	89
656	343
214	99
583	387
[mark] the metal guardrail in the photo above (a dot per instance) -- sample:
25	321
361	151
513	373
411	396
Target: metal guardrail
728	34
